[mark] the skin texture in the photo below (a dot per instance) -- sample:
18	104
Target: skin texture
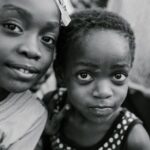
28	32
138	139
96	79
96	76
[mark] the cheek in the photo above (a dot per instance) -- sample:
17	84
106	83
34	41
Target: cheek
76	100
47	59
45	63
121	94
76	95
6	48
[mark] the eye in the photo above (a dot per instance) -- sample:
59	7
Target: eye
84	76
119	77
48	40
11	27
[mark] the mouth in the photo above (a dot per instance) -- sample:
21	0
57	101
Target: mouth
24	71
100	110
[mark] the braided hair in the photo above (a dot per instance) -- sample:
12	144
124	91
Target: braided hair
85	21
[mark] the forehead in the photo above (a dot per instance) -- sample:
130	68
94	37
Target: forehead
45	10
102	48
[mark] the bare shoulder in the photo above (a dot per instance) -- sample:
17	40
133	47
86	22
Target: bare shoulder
138	139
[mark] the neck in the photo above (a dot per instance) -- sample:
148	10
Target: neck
101	122
3	94
84	132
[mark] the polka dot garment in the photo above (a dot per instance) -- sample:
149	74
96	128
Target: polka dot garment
114	138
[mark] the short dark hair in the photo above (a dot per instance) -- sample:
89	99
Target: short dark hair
85	21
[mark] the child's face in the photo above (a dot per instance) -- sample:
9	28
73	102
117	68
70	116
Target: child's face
28	31
96	74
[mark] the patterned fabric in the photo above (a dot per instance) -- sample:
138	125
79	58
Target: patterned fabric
114	138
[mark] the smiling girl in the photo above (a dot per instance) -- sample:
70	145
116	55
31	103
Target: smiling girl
28	34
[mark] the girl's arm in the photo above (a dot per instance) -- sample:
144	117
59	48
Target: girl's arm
138	139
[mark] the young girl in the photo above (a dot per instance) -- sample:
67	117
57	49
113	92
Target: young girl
28	33
94	58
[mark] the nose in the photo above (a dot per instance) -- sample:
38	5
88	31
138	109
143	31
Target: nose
102	89
29	48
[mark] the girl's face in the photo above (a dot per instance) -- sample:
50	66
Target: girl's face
28	32
96	74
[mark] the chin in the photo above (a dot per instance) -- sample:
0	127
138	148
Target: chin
18	88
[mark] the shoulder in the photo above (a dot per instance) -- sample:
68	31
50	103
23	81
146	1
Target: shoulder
26	117
19	105
32	107
35	113
138	139
35	104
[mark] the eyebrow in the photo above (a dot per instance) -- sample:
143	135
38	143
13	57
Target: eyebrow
53	24
27	15
120	66
90	64
19	10
87	64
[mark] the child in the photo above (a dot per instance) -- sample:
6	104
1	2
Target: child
94	58
28	33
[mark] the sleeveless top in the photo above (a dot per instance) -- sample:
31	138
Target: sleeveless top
114	139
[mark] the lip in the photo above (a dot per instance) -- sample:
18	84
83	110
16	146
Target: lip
100	110
100	106
23	72
29	68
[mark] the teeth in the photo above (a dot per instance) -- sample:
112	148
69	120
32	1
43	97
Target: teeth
24	71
